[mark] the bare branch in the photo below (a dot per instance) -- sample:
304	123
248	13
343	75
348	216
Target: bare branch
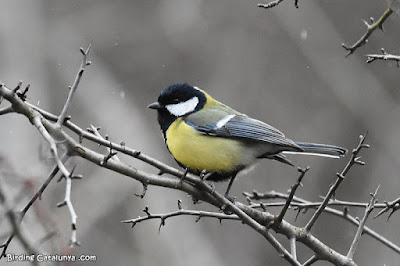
393	205
341	214
95	131
311	261
179	212
37	195
278	220
361	226
370	29
15	224
353	160
74	86
192	185
292	241
6	110
275	3
383	56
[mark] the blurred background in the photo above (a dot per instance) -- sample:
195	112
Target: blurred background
284	66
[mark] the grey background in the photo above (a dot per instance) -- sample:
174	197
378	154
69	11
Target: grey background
284	66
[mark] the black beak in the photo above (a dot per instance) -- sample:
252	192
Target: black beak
155	105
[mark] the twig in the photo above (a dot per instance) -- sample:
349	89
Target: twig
6	110
311	260
68	203
37	195
292	241
227	205
297	202
95	131
353	160
393	205
74	86
341	214
370	28
15	224
361	226
279	219
275	3
179	212
383	56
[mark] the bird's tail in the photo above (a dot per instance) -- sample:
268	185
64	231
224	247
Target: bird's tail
323	150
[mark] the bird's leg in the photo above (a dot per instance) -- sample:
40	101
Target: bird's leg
229	188
187	169
204	176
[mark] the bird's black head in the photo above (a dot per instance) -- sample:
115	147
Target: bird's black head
176	101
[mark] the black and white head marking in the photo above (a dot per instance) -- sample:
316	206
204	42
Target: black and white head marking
183	108
178	100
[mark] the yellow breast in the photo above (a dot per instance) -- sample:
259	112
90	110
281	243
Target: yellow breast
200	151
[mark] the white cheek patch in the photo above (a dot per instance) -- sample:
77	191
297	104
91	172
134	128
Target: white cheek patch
223	121
183	108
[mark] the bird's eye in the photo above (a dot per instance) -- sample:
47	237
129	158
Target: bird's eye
175	100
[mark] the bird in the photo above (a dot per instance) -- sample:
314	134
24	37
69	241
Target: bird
206	136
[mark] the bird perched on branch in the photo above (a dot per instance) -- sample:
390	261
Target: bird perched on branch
205	135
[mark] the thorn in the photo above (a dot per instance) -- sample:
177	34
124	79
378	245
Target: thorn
60	204
162	223
184	174
18	86
340	175
345	211
88	63
82	51
248	200
146	210
81	72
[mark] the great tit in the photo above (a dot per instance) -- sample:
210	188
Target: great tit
203	134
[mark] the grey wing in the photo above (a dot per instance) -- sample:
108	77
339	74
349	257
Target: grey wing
242	126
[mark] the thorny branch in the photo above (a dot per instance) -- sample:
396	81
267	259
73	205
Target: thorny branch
74	86
279	219
361	226
384	56
277	2
353	160
15	224
38	121
36	196
370	29
301	204
199	214
393	205
190	184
